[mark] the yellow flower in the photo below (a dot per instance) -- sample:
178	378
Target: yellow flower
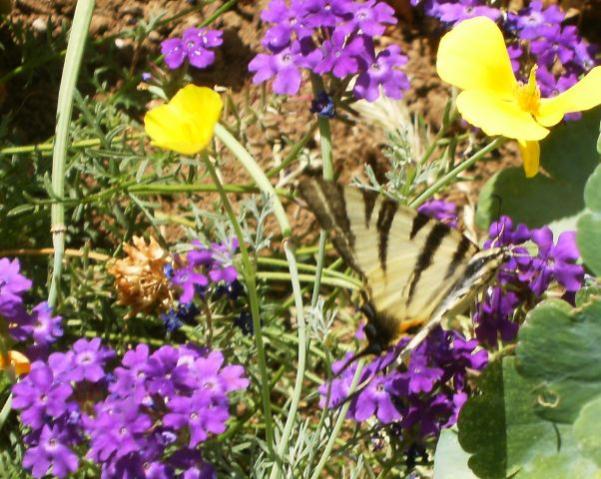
16	362
186	123
473	57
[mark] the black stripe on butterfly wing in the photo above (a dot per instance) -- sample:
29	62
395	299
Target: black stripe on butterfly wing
385	218
459	256
369	198
424	260
419	222
326	200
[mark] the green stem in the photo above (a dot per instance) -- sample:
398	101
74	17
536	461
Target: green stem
296	149
251	284
257	174
338	425
451	175
302	358
75	49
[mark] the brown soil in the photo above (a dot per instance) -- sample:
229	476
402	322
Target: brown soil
354	142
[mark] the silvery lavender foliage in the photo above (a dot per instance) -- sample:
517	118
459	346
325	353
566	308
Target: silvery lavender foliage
143	419
330	37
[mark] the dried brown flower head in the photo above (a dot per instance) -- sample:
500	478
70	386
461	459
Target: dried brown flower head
140	277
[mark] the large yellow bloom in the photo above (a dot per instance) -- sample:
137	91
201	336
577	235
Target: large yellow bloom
186	123
473	57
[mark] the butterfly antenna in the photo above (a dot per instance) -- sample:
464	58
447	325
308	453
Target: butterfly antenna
369	349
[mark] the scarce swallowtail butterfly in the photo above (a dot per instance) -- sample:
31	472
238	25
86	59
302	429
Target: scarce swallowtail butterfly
416	270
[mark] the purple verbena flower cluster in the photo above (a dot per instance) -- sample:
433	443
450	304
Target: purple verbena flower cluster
553	46
39	328
142	419
202	270
330	37
196	45
418	401
525	277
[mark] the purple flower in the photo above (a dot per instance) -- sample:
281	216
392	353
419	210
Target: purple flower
283	66
13	285
198	42
201	267
88	359
118	429
45	329
443	211
340	56
209	376
457	12
200	413
205	471
555	262
196	45
327	37
382	71
39	396
50	455
377	399
174	52
426	396
166	373
494	317
371	17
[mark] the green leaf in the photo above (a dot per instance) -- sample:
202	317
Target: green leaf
587	428
559	349
599	141
569	156
589	224
450	461
507	438
567	463
500	427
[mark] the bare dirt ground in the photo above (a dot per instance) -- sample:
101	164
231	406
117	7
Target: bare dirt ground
354	142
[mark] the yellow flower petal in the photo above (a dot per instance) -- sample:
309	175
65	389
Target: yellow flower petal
16	361
498	117
584	95
530	151
186	123
473	56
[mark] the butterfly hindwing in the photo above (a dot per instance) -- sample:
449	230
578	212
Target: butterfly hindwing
408	261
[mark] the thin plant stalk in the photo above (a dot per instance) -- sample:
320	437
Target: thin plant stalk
250	280
75	49
257	174
451	175
338	425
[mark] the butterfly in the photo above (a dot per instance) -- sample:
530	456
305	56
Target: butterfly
415	269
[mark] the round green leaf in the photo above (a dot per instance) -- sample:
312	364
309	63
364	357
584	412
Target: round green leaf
559	350
589	224
587	430
500	428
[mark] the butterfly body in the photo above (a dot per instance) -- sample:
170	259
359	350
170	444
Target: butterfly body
415	269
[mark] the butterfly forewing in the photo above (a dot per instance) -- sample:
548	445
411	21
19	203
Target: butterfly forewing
409	262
